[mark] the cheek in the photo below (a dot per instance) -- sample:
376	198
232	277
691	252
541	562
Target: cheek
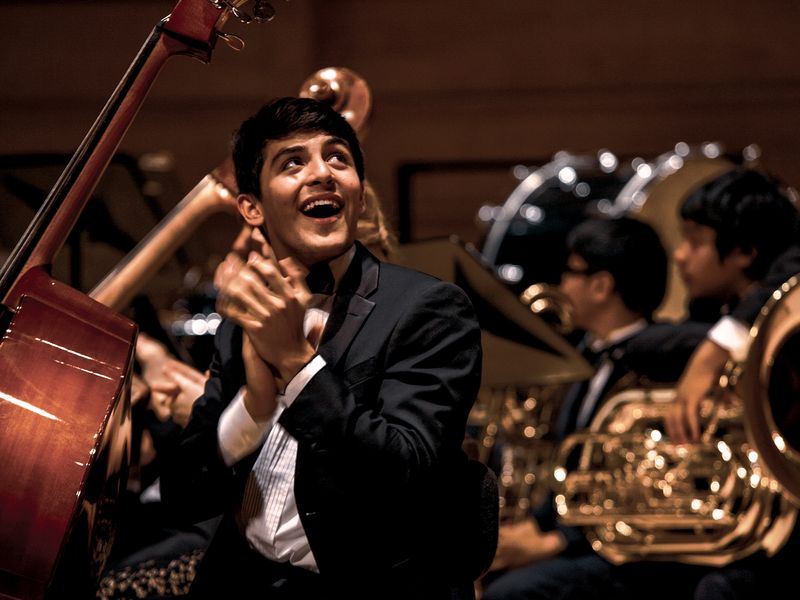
693	259
569	291
706	261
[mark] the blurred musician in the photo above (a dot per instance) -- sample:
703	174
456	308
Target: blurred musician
615	278
740	244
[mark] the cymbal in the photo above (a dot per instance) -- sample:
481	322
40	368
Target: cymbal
519	348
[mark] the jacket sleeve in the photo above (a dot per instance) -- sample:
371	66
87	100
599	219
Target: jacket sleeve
196	484
661	351
398	416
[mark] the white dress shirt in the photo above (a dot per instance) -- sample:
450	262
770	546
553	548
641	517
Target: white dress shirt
276	531
604	369
733	336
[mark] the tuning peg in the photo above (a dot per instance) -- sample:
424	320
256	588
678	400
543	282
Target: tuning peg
234	42
263	11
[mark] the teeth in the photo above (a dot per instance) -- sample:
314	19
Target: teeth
318	203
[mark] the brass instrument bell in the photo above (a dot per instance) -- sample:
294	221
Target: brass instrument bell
345	90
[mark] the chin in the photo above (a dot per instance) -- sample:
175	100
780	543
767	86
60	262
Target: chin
330	249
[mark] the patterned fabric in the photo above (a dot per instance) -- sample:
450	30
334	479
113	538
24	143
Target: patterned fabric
151	579
268	487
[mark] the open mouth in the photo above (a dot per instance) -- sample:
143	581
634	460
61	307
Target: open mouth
321	208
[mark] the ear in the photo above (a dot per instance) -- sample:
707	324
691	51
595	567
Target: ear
250	209
742	259
601	286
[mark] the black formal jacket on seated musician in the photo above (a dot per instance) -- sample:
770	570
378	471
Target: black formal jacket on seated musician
380	470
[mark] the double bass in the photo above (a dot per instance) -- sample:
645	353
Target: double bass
65	359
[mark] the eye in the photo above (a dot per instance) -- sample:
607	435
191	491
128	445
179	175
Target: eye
291	163
339	157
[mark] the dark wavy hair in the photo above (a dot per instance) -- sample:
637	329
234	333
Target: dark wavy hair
631	252
748	210
280	119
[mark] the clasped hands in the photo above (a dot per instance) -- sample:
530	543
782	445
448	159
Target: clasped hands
267	297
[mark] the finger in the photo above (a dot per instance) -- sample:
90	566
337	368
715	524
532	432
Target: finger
227	269
159	404
186	370
258	242
672	422
230	308
693	421
669	427
188	386
269	270
682	434
243	242
296	276
245	294
676	417
165	386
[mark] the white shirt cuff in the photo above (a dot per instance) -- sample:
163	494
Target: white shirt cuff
733	336
237	433
299	381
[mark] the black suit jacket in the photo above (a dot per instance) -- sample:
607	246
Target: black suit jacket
379	428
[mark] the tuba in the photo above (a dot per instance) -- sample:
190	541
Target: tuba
771	388
514	422
640	497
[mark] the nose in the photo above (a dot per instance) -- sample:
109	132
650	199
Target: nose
319	171
681	253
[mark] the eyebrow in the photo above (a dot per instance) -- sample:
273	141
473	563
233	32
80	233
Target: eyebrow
298	148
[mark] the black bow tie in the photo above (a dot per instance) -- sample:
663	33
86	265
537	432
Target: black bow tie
320	279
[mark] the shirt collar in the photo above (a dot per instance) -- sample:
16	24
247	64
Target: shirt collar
340	264
617	335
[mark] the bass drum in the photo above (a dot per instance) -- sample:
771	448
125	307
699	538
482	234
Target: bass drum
655	193
525	242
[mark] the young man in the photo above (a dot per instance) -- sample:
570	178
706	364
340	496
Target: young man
741	236
615	278
330	430
740	244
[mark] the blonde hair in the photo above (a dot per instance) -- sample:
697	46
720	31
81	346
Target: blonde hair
373	230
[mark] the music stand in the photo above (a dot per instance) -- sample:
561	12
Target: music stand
519	348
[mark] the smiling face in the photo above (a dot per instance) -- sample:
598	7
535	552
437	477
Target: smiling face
311	197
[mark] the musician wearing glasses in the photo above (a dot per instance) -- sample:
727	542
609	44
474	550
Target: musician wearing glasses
615	278
330	430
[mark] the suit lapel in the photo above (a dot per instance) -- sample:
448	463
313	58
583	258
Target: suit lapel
350	305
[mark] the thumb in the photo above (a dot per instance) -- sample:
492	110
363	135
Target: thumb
259	243
296	274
